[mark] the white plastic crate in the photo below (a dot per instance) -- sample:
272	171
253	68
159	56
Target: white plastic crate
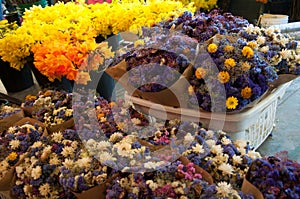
254	124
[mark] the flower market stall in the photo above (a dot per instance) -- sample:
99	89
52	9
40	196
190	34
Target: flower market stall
198	93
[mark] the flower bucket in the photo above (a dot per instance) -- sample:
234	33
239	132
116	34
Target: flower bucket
248	9
44	82
14	80
22	7
106	83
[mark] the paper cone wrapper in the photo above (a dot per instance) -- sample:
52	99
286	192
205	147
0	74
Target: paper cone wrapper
29	111
61	127
97	192
28	120
8	181
6	195
172	96
249	188
205	175
9	121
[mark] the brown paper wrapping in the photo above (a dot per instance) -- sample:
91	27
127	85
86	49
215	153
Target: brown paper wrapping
97	192
9	121
6	195
282	79
205	175
29	111
9	180
29	120
168	96
249	188
61	127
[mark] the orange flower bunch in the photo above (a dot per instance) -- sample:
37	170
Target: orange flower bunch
64	57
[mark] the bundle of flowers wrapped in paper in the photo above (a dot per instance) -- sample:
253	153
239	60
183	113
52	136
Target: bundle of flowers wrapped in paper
7	111
8	116
177	180
84	172
275	176
14	145
38	175
227	161
232	68
50	107
279	49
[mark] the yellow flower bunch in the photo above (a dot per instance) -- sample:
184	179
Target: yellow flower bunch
80	22
132	15
202	4
6	27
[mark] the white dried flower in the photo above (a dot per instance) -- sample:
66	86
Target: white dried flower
225	141
54	160
211	143
105	156
57	137
136	121
198	149
223	189
240	144
115	137
36	172
236	159
188	138
68	163
67	151
261	40
264	49
226	168
14	144
84	162
150	165
254	155
216	149
45	189
285	54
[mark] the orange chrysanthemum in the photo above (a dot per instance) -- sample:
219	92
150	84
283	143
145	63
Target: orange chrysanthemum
223	77
200	73
246	92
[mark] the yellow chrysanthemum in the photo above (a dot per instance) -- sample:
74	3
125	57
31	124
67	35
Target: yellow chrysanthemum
246	92
223	77
232	102
12	156
200	73
252	44
228	48
212	48
246	66
230	62
247	52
